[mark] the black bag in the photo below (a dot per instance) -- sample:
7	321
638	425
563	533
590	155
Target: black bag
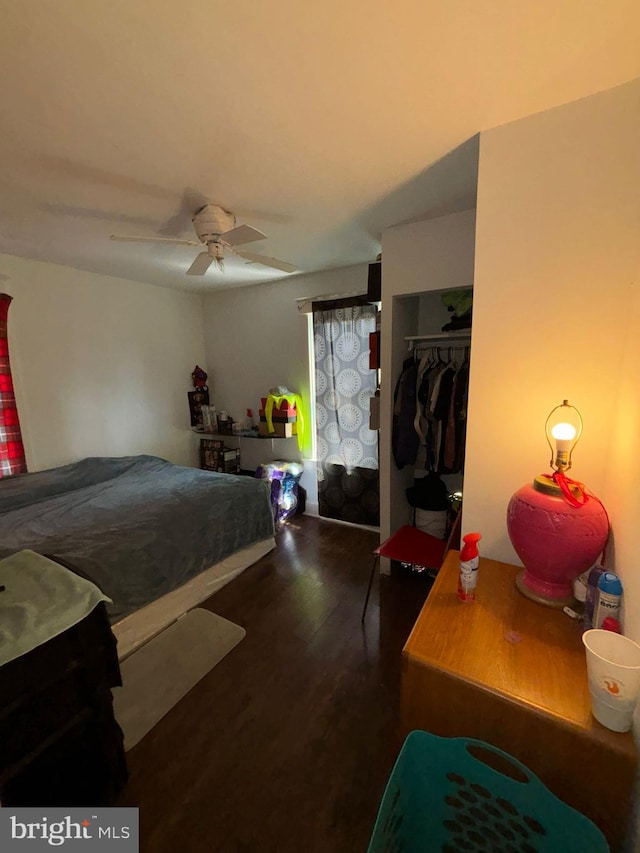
429	492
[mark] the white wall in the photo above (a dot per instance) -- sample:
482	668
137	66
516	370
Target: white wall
435	254
556	315
101	365
620	491
556	275
255	339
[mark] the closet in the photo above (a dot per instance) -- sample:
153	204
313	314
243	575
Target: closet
429	413
420	260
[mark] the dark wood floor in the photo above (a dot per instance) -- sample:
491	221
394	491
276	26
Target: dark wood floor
287	743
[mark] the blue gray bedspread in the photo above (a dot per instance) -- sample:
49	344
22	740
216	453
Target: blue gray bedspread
138	526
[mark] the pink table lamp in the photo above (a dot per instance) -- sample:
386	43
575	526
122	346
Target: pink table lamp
557	527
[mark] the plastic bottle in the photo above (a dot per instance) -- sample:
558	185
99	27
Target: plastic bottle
609	599
469	559
595	573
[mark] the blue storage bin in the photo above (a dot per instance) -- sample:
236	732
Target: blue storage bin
440	797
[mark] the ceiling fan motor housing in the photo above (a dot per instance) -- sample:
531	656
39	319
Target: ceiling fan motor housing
211	221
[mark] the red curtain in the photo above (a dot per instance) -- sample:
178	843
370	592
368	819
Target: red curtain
12	459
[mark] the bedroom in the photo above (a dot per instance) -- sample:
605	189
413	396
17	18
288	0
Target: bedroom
101	360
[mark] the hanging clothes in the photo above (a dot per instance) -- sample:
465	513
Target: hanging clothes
404	438
460	402
430	410
451	415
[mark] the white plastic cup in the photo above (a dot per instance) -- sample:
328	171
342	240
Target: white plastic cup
613	668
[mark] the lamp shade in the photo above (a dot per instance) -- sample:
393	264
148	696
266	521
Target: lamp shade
555	540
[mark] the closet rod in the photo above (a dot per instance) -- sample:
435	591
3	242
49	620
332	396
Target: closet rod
413	340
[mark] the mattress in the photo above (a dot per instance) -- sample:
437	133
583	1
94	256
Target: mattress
139	627
139	526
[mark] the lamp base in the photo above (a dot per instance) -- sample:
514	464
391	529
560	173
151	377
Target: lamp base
529	587
555	541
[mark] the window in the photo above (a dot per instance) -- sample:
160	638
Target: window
347	450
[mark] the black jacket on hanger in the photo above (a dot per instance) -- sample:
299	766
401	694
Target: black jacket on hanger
404	438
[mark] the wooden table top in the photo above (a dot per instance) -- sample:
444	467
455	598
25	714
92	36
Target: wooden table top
508	644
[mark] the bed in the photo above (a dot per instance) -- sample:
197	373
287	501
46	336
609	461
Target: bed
157	538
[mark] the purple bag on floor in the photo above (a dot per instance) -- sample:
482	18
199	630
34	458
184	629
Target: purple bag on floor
284	478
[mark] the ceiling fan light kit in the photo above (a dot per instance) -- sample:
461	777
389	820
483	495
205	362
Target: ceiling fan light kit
216	229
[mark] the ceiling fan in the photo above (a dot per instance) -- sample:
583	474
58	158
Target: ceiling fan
217	230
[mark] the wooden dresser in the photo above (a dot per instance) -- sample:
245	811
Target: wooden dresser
59	741
513	673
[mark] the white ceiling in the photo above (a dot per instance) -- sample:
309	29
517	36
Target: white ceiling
319	123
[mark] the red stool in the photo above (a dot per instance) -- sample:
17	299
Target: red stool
410	545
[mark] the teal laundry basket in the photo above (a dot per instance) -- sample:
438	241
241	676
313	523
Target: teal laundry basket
440	797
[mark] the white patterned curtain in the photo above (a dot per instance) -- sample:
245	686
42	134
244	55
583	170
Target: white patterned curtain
347	448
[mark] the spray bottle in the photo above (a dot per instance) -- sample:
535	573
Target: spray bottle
469	559
591	596
609	599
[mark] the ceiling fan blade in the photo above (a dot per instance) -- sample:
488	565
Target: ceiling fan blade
242	234
201	264
265	261
124	238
